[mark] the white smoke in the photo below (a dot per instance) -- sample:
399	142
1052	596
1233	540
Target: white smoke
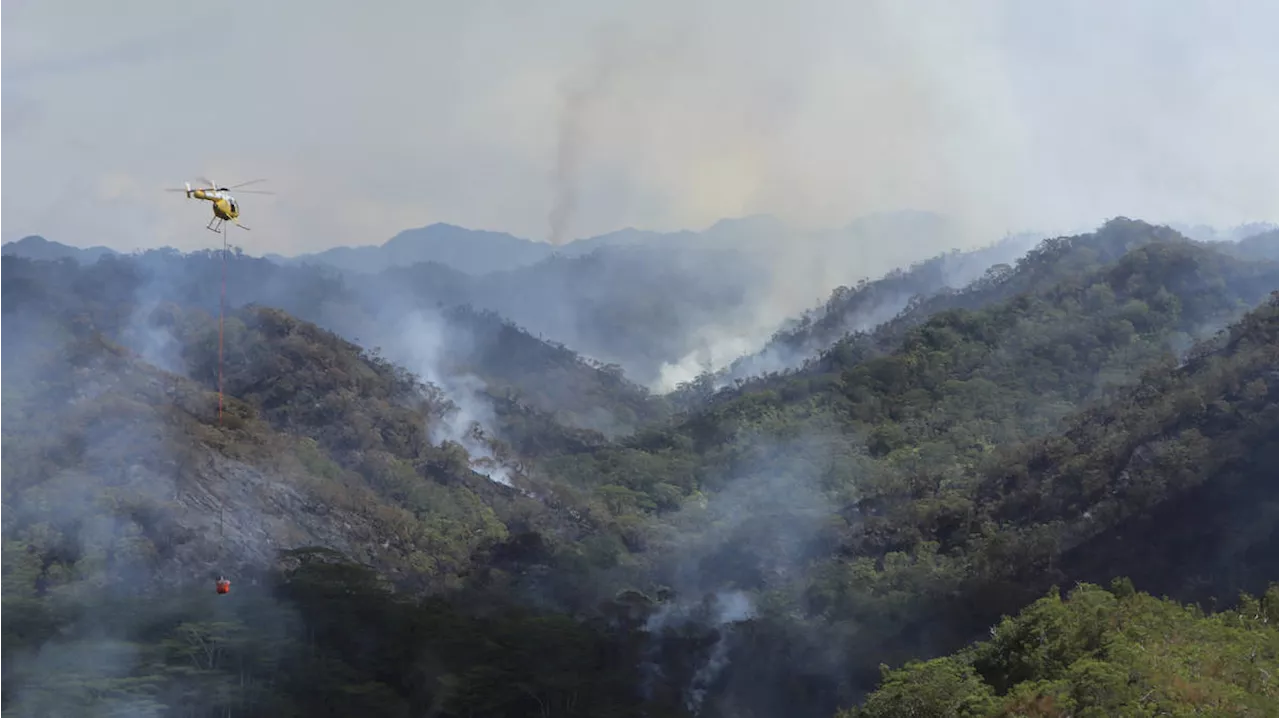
423	341
148	334
718	612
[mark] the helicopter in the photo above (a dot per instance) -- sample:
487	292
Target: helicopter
225	207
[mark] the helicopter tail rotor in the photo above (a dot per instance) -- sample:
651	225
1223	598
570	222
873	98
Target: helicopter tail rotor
186	189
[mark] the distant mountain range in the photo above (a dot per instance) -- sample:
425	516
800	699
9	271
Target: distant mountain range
37	247
479	252
466	250
666	307
1205	233
662	305
866	247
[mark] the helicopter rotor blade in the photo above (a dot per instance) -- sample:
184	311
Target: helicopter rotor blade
253	191
246	184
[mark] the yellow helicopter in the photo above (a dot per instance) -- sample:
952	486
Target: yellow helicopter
225	207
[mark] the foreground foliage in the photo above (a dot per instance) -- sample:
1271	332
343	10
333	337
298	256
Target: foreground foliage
1099	653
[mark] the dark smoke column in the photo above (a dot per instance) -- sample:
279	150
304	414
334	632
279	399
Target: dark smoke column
571	135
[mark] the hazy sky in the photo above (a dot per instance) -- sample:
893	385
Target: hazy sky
369	118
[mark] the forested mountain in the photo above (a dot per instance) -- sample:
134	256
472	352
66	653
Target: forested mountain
462	349
1053	263
869	303
1103	407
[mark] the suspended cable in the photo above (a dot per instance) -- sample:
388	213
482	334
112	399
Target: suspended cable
222	302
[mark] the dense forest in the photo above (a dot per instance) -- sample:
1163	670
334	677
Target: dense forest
426	510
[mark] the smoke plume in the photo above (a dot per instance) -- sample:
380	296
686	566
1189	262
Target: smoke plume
578	99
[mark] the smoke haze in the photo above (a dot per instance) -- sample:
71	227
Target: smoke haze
1002	114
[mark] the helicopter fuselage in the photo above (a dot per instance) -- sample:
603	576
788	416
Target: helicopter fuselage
224	205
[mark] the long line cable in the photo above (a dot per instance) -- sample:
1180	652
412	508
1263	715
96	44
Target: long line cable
222	303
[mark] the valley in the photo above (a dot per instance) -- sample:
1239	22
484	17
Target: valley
448	488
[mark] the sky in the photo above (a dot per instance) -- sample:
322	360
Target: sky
571	118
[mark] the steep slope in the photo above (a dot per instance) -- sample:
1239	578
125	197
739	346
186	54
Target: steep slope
319	444
547	375
1051	510
479	356
884	461
1003	373
116	471
1192	477
466	350
1062	260
1054	262
866	305
124	497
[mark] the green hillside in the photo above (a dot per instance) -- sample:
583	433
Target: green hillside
1096	652
1106	407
